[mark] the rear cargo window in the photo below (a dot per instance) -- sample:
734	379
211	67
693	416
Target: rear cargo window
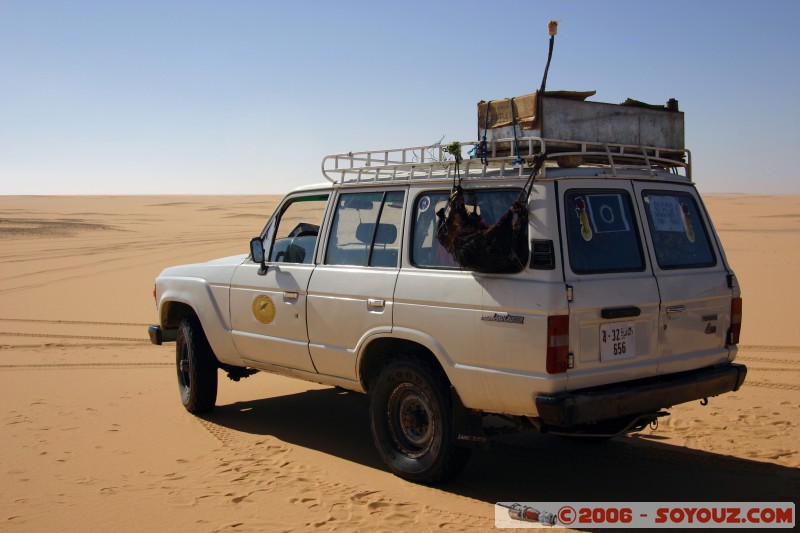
602	232
679	236
426	251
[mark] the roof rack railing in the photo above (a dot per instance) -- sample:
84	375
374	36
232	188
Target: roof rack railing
432	162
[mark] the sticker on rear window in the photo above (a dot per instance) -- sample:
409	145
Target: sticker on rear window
687	222
607	213
666	213
580	210
670	214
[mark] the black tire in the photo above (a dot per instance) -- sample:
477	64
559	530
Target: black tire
412	419
197	368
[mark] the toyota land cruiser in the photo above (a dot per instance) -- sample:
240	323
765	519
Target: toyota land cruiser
626	306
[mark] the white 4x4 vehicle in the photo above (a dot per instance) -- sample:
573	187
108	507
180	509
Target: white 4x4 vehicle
626	306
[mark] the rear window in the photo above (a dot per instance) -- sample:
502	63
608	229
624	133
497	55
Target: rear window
679	236
602	232
426	251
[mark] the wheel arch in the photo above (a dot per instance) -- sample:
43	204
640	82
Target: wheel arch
172	312
379	350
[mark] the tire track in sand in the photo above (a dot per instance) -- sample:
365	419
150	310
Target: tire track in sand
769	348
82	366
250	469
72	345
771	385
747	359
79	337
72	322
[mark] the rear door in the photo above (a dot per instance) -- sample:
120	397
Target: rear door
692	277
351	292
615	300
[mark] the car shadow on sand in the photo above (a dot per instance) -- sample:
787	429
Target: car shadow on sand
526	466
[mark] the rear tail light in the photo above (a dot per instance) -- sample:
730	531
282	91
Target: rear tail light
557	344
736	321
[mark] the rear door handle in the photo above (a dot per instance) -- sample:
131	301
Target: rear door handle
290	295
376	303
620	312
673	309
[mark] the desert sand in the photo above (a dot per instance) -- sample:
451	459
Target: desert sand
93	436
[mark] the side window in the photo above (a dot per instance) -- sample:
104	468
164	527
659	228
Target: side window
426	252
679	236
366	230
425	249
297	229
602	232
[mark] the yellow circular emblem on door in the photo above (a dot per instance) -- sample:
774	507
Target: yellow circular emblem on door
264	309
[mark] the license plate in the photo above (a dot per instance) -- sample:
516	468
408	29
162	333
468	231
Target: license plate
617	341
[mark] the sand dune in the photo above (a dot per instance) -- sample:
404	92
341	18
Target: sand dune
94	437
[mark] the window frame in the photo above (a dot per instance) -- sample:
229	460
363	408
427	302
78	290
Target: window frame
446	193
635	227
270	230
700	218
371	246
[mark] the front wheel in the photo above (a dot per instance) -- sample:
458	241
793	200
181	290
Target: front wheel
197	368
411	419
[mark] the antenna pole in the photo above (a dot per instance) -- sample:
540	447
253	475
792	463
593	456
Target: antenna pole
552	29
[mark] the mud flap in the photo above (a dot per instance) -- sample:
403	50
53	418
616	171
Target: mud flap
467	425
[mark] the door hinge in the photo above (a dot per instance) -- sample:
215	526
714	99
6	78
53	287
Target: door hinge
569	293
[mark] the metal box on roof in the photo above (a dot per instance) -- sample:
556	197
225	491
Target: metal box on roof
567	116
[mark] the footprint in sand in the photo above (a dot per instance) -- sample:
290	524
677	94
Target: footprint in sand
307	502
340	512
377	506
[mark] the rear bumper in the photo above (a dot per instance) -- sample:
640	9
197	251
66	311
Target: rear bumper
637	397
160	336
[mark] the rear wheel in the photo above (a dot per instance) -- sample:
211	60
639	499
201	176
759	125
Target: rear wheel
411	415
196	366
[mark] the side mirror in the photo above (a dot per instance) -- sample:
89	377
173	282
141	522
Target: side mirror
257	252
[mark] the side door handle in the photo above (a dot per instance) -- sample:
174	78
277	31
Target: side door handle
290	295
375	303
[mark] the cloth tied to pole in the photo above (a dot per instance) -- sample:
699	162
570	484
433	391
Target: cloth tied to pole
492	249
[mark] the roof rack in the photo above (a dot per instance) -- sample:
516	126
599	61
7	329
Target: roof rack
432	162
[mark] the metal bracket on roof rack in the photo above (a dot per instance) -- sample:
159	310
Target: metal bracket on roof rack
611	160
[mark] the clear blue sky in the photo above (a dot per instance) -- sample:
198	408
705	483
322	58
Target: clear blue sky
245	96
